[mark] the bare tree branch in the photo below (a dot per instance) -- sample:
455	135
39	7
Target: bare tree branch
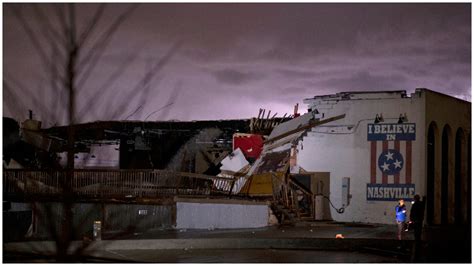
63	26
146	87
10	99
43	109
56	98
136	110
51	34
33	38
60	13
172	99
156	111
65	238
88	31
120	108
102	89
62	105
71	64
64	232
99	47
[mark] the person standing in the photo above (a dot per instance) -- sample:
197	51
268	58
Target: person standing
401	217
417	214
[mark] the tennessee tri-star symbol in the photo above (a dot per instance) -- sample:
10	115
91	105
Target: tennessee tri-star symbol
390	162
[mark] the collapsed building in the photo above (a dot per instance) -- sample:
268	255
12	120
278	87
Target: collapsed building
189	146
141	165
387	146
348	159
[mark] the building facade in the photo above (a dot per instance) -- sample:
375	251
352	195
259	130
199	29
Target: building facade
391	145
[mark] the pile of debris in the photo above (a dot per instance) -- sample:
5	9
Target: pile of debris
263	166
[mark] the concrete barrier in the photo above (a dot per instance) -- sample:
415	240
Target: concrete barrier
220	214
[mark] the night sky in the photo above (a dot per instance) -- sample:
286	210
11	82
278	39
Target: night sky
229	60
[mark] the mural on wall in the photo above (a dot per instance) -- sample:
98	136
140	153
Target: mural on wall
390	161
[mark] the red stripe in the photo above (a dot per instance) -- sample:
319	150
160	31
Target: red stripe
384	149
373	162
396	178
408	163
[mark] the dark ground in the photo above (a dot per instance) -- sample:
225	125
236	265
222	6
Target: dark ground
448	244
252	256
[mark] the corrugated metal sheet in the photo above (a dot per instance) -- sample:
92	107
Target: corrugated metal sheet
51	215
138	217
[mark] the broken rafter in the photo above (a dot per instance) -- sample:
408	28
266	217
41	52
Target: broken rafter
267	120
262	120
308	126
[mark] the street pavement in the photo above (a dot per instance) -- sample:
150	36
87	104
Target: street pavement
301	230
305	242
249	256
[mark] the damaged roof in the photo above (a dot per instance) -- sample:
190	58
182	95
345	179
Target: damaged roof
275	156
276	150
357	95
291	124
111	130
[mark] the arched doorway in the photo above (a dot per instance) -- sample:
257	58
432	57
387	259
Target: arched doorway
430	178
459	162
445	174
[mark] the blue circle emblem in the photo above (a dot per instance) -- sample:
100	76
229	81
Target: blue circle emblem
390	162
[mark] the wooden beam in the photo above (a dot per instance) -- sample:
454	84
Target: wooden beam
308	126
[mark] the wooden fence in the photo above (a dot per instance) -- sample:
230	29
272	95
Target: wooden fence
111	183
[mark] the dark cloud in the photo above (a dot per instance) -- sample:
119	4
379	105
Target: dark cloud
235	77
250	56
295	73
363	80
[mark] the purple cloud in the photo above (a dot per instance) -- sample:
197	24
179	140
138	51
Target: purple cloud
237	58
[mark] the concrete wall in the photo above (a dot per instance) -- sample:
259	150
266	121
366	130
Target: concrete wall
447	112
48	218
220	214
342	149
114	217
131	218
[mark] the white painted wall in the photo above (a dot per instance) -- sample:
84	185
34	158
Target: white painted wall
194	215
345	152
